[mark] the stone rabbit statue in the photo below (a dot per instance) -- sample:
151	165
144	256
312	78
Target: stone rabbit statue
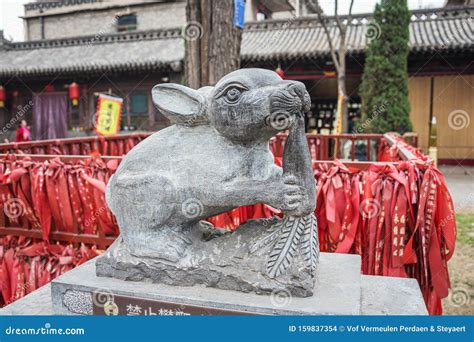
214	158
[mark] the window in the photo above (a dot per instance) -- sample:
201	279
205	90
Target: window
138	103
127	22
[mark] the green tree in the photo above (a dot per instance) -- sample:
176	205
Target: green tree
384	88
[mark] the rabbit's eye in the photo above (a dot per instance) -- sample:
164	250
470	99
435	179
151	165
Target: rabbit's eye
233	94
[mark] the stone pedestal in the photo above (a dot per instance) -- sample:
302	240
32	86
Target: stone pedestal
337	292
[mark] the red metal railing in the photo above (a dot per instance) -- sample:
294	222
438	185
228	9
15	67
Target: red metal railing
331	146
116	145
322	147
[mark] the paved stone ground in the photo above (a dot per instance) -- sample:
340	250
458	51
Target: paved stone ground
460	180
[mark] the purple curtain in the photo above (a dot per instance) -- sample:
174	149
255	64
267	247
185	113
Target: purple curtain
50	115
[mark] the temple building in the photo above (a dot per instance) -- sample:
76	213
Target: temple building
124	48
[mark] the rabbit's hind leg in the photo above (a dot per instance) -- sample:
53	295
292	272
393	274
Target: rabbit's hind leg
144	207
167	243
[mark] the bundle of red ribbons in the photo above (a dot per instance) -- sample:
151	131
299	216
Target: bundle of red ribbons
51	194
400	219
26	265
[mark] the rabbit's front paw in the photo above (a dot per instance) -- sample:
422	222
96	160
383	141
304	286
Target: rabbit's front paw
289	195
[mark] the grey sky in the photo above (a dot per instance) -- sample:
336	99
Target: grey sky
10	10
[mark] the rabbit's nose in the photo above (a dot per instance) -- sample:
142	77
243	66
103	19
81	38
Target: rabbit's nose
296	88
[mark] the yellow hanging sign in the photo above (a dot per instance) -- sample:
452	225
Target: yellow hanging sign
108	115
339	115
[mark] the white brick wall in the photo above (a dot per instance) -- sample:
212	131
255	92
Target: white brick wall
92	23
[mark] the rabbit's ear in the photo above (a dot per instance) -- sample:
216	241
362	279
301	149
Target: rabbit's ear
180	104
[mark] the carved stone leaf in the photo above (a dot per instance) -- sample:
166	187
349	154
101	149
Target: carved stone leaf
310	243
285	249
268	240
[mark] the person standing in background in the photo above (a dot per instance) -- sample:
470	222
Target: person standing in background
22	132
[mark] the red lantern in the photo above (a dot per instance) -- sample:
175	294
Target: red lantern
280	72
74	93
3	97
49	88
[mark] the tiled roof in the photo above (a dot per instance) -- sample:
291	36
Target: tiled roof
433	30
440	29
139	51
